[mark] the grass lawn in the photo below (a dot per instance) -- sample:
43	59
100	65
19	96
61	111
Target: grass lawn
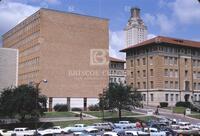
181	110
110	114
58	114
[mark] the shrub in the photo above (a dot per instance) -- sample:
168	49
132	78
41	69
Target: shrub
61	107
163	104
76	109
184	104
94	107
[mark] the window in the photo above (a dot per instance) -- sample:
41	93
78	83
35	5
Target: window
176	84
144	85
186	73
166	60
144	73
198	88
194	75
166	97
176	73
144	97
166	84
172	97
194	63
175	61
171	84
187	85
198	63
138	62
166	73
171	73
131	74
151	97
171	61
144	61
186	62
151	72
176	97
151	84
195	97
138	73
138	84
131	84
151	61
195	86
198	75
131	63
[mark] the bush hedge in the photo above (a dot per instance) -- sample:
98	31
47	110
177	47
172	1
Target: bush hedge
163	104
184	104
76	109
61	107
94	107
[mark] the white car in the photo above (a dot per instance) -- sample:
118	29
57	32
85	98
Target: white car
3	132
22	132
136	133
154	132
110	134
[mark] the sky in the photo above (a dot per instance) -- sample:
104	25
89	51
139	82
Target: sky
172	18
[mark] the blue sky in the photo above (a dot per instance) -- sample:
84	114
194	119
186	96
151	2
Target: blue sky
173	18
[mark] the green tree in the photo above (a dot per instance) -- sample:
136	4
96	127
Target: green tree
121	96
20	102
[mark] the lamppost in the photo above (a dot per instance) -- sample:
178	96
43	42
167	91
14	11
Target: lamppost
37	84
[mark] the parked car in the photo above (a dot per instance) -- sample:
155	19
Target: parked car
22	132
154	132
136	133
3	132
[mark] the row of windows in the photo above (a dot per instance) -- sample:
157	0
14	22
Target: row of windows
118	65
30	19
196	86
118	72
170	50
171	73
151	97
171	85
196	63
29	76
116	80
144	62
144	73
27	41
31	62
144	85
20	35
171	97
170	60
29	51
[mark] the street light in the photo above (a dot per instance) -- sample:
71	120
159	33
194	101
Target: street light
37	84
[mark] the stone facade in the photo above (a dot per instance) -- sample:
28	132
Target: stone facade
135	30
62	48
8	68
116	71
165	70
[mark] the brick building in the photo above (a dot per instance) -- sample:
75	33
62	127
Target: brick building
117	71
62	48
165	69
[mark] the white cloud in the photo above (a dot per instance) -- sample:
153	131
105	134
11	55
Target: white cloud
166	25
117	43
150	36
11	13
186	11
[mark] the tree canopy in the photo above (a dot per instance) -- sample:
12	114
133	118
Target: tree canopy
20	102
120	96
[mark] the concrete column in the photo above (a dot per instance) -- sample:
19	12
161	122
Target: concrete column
50	103
85	104
68	103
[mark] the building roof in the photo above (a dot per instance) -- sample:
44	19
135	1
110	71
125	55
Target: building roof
168	40
116	60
